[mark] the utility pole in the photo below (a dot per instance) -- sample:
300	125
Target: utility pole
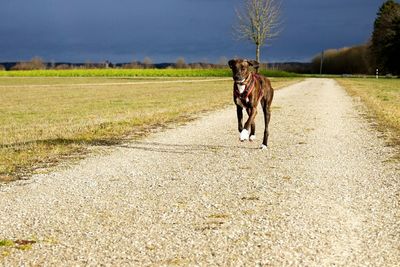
321	63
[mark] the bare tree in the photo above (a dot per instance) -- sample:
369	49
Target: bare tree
35	63
222	62
148	63
89	65
259	22
180	63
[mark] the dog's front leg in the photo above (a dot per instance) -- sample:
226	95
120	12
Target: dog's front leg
244	134
239	112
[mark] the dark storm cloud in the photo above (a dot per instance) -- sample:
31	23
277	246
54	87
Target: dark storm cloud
311	26
123	30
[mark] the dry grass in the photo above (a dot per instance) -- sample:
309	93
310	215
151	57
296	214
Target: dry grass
45	120
382	97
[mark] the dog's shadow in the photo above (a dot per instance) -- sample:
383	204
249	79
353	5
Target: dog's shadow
180	148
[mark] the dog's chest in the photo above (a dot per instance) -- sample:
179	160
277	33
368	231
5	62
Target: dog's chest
242	102
241	88
239	101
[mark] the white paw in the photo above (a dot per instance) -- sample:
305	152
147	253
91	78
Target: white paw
252	137
263	147
244	135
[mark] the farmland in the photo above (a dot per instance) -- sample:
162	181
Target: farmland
134	73
46	119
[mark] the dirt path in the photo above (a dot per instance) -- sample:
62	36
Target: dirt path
325	193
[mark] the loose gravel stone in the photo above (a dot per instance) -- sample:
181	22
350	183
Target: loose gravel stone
324	193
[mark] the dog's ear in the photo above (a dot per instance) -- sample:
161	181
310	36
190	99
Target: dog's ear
231	63
254	63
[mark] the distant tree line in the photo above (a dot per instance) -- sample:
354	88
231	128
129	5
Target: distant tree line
38	63
382	52
351	60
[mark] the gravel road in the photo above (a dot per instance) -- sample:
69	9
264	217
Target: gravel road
325	193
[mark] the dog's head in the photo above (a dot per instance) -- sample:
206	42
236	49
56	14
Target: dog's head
241	68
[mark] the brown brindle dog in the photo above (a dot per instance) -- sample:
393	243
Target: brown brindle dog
249	89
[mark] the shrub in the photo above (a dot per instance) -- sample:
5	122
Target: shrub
35	63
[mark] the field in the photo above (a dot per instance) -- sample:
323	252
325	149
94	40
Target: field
135	73
44	120
382	97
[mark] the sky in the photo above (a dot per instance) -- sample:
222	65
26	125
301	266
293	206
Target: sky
165	30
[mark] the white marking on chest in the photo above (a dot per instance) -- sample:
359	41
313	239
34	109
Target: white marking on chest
241	88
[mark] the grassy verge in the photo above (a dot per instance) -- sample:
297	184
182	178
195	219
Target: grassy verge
382	97
136	73
45	120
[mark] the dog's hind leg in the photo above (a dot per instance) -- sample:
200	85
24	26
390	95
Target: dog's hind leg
267	117
253	131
